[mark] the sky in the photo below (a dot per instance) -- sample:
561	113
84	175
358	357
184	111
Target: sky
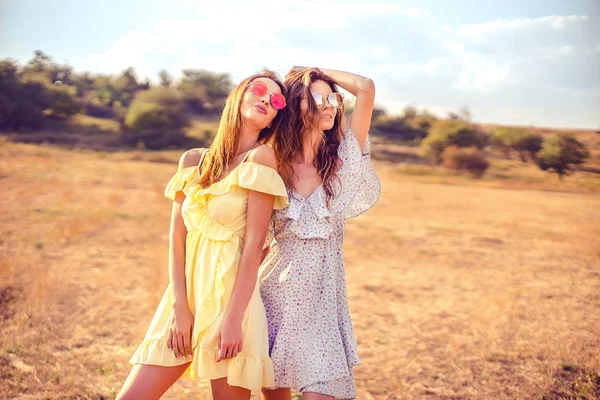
522	62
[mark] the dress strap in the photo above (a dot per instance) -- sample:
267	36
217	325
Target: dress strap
248	153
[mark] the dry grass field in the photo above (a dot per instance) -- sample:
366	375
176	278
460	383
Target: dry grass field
458	288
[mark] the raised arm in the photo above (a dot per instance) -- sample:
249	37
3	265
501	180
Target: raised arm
364	90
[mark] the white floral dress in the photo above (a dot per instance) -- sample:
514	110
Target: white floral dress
303	284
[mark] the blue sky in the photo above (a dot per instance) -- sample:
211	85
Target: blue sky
521	62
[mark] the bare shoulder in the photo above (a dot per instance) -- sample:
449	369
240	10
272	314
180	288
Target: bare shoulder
265	155
191	158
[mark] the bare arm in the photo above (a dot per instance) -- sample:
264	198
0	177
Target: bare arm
364	90
260	208
177	236
182	318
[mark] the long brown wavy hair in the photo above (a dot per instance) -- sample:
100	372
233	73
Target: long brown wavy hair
225	146
298	125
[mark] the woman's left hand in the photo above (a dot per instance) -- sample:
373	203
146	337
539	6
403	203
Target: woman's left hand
230	338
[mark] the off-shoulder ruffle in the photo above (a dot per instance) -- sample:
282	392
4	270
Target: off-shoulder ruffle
181	182
252	176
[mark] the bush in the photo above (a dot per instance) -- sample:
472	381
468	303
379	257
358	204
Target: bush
525	143
397	128
204	91
157	117
64	103
95	109
528	145
447	133
469	159
504	139
22	104
560	152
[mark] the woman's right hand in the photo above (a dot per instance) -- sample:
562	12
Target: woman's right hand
180	331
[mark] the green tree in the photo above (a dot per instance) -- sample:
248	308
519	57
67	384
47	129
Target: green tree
22	103
123	87
410	112
204	91
504	139
157	117
528	145
41	62
508	139
560	152
166	79
398	129
63	103
451	132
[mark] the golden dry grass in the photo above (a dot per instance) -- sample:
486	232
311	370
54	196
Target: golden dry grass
459	289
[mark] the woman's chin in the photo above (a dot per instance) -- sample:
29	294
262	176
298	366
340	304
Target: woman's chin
325	126
255	119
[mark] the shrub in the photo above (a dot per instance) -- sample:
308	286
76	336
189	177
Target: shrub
528	145
469	159
525	143
560	152
451	133
157	117
22	103
64	103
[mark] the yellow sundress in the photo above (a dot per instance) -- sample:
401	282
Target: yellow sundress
215	218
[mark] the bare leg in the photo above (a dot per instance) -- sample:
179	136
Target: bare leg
222	391
277	394
316	396
149	381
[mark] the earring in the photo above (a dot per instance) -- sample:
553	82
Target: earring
269	126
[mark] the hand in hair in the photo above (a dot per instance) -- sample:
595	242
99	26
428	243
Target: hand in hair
296	69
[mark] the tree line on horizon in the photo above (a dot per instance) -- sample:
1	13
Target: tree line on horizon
157	114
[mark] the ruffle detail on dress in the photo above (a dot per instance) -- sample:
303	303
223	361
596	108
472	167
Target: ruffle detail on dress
248	372
356	190
251	176
181	182
310	217
360	187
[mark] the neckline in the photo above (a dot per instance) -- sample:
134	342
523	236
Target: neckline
309	196
230	172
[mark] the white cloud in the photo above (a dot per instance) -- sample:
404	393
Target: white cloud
223	36
374	51
482	75
416	12
592	92
127	51
553	53
286	14
480	31
402	70
494	55
445	66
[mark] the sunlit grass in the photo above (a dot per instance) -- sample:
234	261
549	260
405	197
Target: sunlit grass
481	293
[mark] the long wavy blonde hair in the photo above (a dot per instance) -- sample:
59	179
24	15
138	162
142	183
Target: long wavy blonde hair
225	146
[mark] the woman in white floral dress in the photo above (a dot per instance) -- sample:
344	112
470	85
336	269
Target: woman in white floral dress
327	169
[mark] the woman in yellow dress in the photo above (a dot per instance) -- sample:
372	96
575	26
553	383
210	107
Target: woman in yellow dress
211	321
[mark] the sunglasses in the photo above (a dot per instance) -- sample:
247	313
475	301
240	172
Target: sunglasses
335	100
259	88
